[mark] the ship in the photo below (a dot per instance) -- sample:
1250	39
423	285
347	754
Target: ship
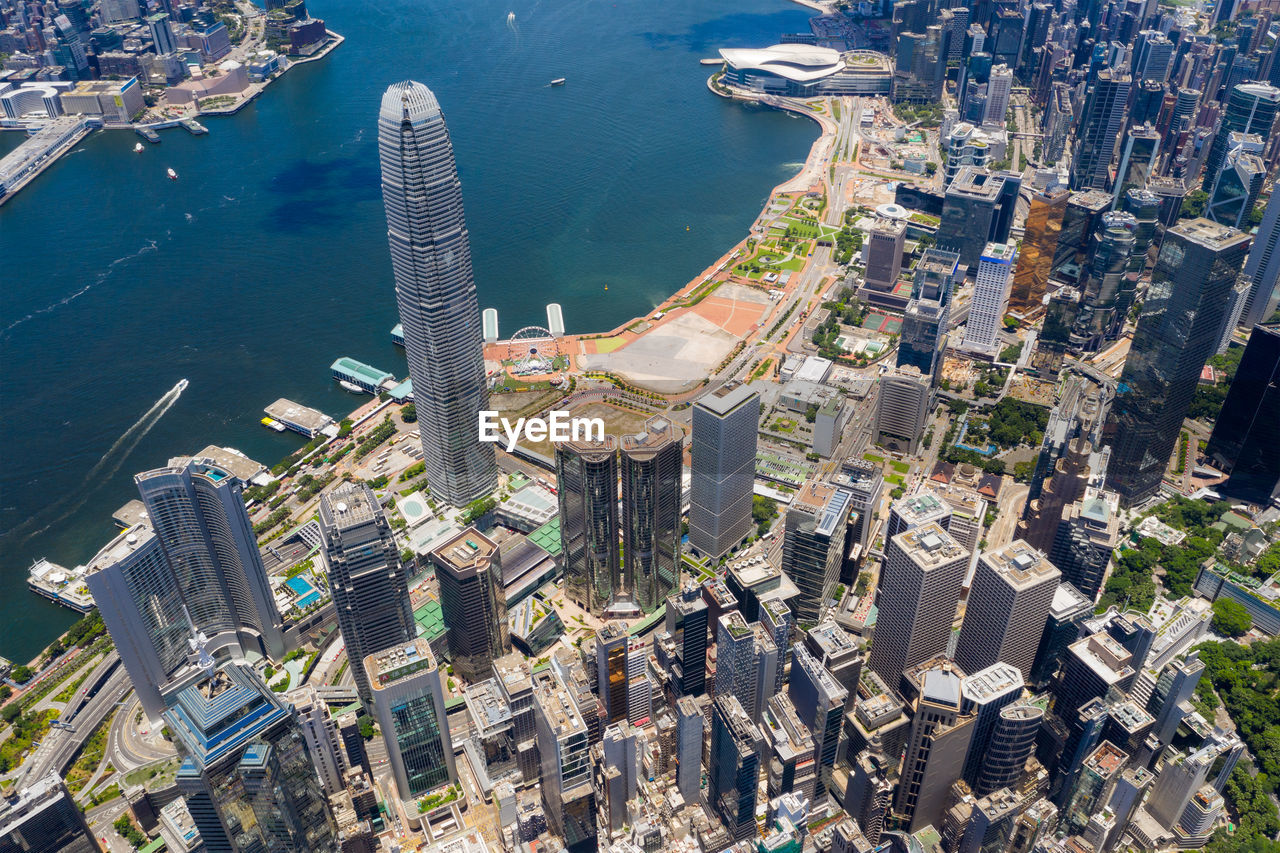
137	148
559	81
351	386
272	423
173	176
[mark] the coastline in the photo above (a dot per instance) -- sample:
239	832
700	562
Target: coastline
817	151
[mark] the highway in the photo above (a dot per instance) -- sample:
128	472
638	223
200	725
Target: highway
56	752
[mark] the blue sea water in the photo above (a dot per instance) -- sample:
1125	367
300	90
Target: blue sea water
267	259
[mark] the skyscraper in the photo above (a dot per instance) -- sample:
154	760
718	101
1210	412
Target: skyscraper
723	469
43	818
686	623
435	291
473	603
197	511
150	638
977	209
1246	434
819	701
408	703
1040	241
1085	539
564	749
813	547
1012	742
1100	125
1251	108
902	407
919	589
990	297
985	694
1234	189
689	726
192	564
587	481
884	254
1262	269
734	772
1138	160
247	776
652	479
1009	600
936	747
1176	334
369	584
924	336
1106	289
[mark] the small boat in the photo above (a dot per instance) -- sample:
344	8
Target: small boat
559	81
173	176
137	148
511	17
272	423
181	386
351	386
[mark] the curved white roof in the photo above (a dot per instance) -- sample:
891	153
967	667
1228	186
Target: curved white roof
799	62
409	100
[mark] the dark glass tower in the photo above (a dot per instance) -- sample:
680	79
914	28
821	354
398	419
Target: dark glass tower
1100	125
652	468
435	291
1177	332
1107	289
246	773
587	479
1251	108
1246	437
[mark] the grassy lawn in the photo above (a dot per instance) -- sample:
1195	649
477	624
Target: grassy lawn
894	478
900	467
604	345
871	457
783	425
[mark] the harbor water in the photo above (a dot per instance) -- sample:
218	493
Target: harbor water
267	258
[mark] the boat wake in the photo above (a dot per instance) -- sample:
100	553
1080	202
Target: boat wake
111	461
151	246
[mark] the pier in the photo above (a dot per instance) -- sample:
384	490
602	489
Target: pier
42	150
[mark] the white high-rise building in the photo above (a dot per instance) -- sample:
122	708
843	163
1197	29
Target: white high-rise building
435	291
990	298
999	87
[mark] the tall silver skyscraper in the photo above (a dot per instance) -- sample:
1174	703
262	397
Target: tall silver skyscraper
723	469
435	290
193	563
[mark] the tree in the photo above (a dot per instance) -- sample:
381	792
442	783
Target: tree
409	413
763	512
1230	618
366	726
1193	205
930	167
21	674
